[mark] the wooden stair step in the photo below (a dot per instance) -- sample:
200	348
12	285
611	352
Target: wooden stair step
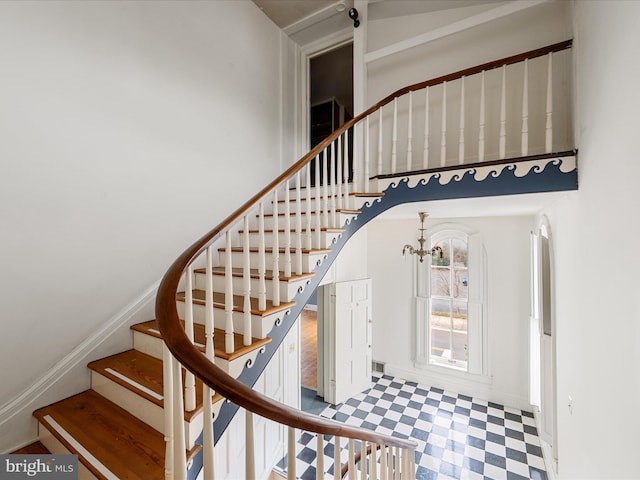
239	272
35	448
151	328
281	230
108	440
338	210
238	303
305	251
142	374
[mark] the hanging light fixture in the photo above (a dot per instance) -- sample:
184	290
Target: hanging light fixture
420	251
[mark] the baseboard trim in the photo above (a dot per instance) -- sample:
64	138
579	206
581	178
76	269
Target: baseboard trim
480	389
29	396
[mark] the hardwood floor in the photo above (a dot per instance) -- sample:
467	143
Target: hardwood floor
309	353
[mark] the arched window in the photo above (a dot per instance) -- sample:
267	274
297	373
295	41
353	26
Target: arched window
450	301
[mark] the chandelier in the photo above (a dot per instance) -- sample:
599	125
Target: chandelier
420	251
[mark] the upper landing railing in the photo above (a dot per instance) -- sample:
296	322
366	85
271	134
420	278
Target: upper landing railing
514	107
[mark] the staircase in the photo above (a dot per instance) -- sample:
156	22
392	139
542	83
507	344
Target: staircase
228	301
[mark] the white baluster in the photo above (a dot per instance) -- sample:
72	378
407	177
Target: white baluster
380	141
394	136
298	225
325	190
373	462
410	133
352	460
246	279
262	286
443	137
275	252
503	115
318	219
383	463
549	125
391	467
345	164
208	302
167	382
250	457
207	392
367	157
461	140
333	216
287	230
412	465
307	204
228	297
524	143
320	457
339	199
179	439
482	121
190	379
363	459
425	156
207	434
291	454
337	463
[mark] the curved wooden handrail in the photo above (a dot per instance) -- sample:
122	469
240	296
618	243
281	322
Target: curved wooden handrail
195	361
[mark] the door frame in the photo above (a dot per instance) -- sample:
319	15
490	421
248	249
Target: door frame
307	52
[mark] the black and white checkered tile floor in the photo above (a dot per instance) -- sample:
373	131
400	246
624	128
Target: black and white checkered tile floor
458	437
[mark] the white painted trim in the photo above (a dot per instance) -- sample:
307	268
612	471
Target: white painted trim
80	449
550	465
29	396
134	384
476	386
307	52
455	27
314	18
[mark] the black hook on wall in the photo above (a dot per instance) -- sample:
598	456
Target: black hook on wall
353	15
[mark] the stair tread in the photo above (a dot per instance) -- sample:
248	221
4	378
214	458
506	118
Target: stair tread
151	328
338	210
305	251
239	272
145	375
238	303
281	230
35	448
122	443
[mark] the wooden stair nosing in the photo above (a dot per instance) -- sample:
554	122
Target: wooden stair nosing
282	230
145	371
305	251
35	448
338	210
122	443
151	328
268	275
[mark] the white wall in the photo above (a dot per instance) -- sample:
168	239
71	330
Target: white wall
506	241
128	129
594	237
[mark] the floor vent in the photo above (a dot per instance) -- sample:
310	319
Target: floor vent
378	366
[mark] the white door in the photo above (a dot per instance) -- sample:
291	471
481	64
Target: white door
349	334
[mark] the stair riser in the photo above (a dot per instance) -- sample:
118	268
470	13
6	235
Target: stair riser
326	239
145	410
288	290
309	260
345	203
57	448
261	325
341	219
153	346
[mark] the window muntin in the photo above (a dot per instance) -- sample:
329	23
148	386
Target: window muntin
449	302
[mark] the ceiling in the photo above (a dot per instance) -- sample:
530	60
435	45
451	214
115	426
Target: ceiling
286	13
